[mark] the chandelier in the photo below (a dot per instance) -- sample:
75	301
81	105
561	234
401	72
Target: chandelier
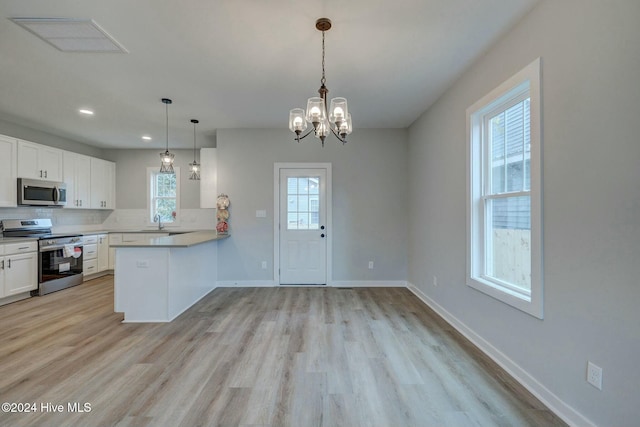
167	157
338	121
195	166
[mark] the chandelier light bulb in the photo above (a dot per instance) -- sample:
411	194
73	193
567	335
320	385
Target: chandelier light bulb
297	122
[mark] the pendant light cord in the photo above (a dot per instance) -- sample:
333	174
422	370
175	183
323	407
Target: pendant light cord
166	109
194	142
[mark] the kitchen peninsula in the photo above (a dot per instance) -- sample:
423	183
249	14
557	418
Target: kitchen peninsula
157	279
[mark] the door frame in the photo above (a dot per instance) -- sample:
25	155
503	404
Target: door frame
276	215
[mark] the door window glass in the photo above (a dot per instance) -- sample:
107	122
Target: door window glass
303	203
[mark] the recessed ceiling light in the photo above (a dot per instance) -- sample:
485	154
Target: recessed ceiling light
85	111
146	138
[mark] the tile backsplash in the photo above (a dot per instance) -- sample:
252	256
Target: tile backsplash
59	217
79	220
136	219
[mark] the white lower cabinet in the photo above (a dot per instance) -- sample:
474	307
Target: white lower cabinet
18	268
103	252
96	255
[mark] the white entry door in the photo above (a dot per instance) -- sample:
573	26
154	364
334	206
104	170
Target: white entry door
302	226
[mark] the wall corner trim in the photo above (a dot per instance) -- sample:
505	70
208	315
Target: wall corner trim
553	402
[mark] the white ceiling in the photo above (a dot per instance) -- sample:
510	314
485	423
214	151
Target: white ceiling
238	63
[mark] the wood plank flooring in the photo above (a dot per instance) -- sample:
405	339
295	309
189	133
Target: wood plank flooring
253	357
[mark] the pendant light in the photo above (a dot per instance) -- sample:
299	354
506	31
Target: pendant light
167	157
195	166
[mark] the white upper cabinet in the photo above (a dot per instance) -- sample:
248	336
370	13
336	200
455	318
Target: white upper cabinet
77	176
8	171
39	161
103	184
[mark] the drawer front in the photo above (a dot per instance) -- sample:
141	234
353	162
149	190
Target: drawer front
90	252
88	240
90	267
133	237
19	248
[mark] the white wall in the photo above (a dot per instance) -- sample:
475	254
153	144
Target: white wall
131	177
369	201
590	52
21	132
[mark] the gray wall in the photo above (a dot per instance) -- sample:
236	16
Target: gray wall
131	177
590	53
369	200
21	132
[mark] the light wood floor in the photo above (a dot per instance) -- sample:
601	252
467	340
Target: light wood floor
253	357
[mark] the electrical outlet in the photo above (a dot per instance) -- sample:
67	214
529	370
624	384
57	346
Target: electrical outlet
370	265
142	263
264	265
594	375
435	281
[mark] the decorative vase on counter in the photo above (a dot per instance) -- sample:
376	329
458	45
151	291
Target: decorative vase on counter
222	214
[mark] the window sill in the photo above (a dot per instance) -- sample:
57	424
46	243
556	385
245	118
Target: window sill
527	304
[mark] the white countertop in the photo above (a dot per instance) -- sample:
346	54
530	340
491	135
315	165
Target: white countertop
16	239
137	231
183	240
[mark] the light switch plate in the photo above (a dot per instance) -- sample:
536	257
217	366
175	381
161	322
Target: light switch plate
261	213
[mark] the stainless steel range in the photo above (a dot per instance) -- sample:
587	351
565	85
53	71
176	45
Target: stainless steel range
59	255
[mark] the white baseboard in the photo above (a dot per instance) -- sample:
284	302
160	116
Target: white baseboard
245	283
369	284
15	298
553	402
335	284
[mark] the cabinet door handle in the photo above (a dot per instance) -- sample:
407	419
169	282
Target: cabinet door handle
45	174
9	263
2	265
40	173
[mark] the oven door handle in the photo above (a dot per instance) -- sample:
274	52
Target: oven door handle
56	195
55	248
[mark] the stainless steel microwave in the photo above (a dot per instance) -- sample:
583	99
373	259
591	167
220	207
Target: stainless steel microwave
36	192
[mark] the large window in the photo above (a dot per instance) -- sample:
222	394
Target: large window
164	196
504	203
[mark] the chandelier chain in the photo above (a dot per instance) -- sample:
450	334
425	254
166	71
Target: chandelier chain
323	80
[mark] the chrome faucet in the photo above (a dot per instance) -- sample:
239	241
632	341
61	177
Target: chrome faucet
158	219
